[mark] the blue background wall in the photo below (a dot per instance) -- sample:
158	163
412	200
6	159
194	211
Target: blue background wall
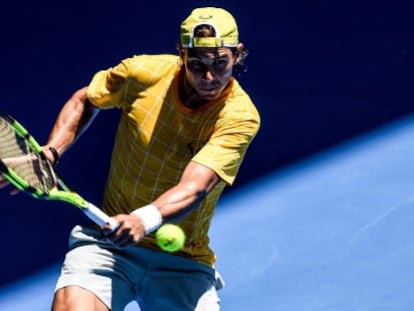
319	72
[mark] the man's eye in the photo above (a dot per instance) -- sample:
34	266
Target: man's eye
195	64
218	62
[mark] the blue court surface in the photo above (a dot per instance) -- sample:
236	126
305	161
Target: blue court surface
334	232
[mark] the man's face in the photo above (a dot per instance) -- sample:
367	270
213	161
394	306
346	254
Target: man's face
208	70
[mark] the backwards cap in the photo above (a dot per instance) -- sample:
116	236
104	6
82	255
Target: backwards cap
221	20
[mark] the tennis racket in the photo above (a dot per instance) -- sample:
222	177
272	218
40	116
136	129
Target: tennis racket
24	165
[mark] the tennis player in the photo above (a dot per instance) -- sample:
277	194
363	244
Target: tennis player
185	126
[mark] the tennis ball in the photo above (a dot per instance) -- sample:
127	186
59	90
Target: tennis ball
170	237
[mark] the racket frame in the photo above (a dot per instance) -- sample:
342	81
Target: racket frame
65	195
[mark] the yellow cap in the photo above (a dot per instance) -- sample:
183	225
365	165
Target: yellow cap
221	20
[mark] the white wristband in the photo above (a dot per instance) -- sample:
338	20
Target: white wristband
150	216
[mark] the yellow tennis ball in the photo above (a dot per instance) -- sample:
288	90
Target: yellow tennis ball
170	237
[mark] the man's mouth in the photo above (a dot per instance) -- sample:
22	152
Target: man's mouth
208	88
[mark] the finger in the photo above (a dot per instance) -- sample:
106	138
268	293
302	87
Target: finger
107	230
3	179
122	240
124	237
14	191
3	183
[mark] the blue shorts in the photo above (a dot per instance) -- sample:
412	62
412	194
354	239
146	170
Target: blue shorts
156	280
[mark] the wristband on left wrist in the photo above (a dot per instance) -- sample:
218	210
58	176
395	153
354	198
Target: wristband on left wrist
55	154
150	216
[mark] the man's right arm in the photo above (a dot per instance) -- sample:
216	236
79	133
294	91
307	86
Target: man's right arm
73	119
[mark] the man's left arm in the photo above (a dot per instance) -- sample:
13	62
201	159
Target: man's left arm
195	184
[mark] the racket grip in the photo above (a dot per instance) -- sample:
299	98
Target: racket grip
99	217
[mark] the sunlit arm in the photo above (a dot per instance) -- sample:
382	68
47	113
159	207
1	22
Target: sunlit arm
196	182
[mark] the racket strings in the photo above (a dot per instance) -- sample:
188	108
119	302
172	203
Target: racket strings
16	153
11	145
36	172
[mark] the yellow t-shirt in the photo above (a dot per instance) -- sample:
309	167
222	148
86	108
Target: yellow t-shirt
158	136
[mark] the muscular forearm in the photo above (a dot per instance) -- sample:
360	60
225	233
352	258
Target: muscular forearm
179	201
72	121
196	182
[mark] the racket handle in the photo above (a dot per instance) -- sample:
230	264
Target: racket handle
99	217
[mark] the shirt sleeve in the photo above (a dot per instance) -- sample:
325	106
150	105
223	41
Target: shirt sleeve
121	85
106	89
226	148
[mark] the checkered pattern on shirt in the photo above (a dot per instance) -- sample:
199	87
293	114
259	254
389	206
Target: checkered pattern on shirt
157	137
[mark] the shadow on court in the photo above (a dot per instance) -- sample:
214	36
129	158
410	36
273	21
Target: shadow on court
331	233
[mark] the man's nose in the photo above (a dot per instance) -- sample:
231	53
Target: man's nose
208	75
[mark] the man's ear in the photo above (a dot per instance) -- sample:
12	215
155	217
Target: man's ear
180	50
237	59
240	49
